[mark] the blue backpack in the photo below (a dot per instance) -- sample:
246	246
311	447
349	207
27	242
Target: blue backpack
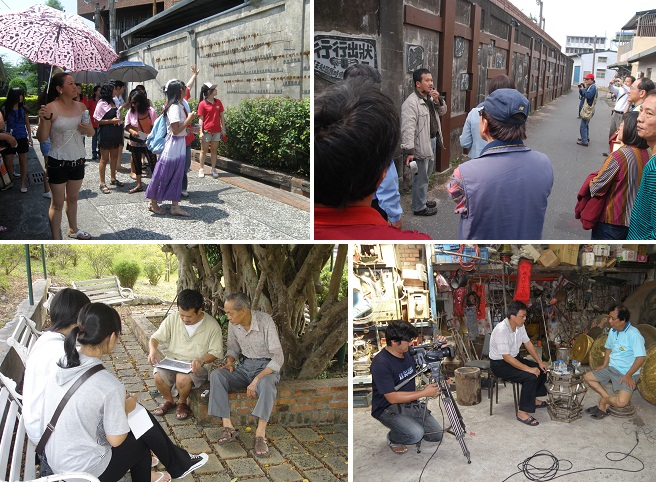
157	137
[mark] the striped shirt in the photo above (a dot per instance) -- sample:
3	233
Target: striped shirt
619	178
643	217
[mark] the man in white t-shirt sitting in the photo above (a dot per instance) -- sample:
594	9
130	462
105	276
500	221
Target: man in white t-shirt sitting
193	336
505	362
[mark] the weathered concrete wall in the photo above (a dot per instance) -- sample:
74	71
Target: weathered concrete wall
259	50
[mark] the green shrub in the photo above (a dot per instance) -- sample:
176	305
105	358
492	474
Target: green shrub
270	133
127	270
153	269
17	82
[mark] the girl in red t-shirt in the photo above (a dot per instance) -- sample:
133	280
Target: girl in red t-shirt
212	126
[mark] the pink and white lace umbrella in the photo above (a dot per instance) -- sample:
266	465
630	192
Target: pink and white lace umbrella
49	36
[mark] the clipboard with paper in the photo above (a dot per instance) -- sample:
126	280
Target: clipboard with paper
175	365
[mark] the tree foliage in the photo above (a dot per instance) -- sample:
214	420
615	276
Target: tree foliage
282	280
100	257
11	256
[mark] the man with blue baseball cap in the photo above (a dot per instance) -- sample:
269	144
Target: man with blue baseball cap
503	193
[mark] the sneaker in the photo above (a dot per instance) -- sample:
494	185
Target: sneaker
47	195
426	212
431	204
215	173
184	194
201	173
197	462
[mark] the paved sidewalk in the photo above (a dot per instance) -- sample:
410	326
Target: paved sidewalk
229	208
314	453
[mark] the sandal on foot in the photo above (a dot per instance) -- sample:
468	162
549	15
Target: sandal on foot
397	448
164	408
154	461
228	434
529	421
156	210
136	189
163	477
592	409
182	411
599	414
116	182
79	234
104	189
261	448
179	212
542	404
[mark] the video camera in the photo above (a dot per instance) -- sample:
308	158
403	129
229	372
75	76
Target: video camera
431	352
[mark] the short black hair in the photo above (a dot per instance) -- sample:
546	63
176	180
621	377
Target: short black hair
400	330
623	312
630	135
356	130
646	84
190	299
418	74
630	77
118	84
515	307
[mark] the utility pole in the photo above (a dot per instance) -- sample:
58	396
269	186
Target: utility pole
594	52
112	24
541	22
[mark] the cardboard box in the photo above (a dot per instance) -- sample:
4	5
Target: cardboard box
587	259
631	247
567	253
600	261
548	259
625	255
418	274
601	249
642	258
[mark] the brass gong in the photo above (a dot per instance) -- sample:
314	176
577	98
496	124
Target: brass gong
648	332
598	352
581	349
647	383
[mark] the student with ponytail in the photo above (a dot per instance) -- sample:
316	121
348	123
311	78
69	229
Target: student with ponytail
92	433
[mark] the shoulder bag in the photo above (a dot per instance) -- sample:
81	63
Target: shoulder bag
587	111
40	448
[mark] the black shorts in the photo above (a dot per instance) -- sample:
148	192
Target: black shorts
59	172
22	147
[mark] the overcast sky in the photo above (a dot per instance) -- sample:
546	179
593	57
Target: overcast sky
583	18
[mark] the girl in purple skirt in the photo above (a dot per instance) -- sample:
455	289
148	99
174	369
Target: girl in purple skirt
166	182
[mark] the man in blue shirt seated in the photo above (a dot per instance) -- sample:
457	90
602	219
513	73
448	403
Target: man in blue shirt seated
399	410
625	354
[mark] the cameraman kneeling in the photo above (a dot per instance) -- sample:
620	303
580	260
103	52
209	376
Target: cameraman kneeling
400	411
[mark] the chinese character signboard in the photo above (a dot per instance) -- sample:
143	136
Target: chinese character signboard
333	54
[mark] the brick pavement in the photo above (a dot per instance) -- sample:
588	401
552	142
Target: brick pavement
313	453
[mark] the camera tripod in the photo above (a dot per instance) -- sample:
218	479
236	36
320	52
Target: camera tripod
452	411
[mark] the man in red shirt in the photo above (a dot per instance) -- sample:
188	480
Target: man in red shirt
356	131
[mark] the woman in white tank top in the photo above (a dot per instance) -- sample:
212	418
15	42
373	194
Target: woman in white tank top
61	120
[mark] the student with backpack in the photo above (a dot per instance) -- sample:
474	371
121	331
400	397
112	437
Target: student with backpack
166	182
17	124
139	123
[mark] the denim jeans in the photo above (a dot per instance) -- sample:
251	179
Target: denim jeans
584	130
420	179
609	231
410	429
